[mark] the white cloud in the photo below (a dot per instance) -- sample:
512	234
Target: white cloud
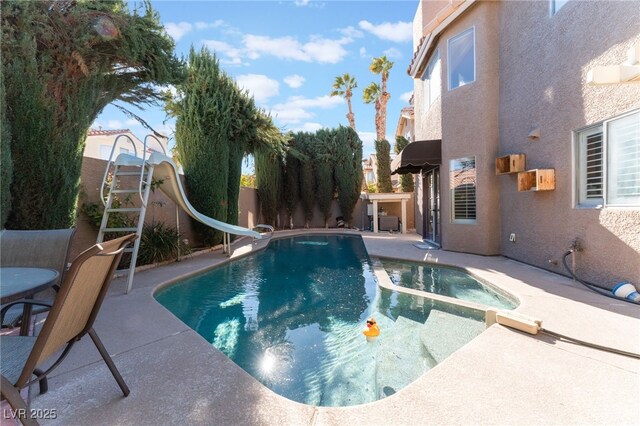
301	2
294	81
308	127
294	110
398	32
363	52
368	142
132	122
393	53
318	49
115	124
406	96
259	85
177	31
204	25
351	32
220	47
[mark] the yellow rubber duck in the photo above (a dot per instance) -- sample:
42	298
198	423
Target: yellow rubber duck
371	331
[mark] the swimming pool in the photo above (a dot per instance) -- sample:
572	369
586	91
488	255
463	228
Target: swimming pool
446	281
292	316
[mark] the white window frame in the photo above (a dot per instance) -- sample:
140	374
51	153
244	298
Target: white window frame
454	220
553	5
454	38
579	177
427	78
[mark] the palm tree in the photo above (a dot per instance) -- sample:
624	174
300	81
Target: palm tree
343	86
382	65
372	94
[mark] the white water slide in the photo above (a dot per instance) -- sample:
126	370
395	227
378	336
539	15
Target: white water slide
160	168
165	170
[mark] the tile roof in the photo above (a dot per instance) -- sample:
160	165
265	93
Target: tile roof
100	132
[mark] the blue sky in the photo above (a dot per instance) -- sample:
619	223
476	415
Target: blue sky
288	53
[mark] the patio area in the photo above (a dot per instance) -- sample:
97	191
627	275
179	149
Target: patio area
501	377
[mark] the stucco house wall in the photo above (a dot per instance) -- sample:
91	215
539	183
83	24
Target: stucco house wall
543	69
531	72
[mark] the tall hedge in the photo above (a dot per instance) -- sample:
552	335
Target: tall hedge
202	132
406	181
323	154
6	165
64	62
269	183
347	170
384	166
305	144
291	191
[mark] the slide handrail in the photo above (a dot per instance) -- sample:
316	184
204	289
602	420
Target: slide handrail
110	162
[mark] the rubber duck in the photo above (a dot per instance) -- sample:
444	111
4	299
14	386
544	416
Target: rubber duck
371	331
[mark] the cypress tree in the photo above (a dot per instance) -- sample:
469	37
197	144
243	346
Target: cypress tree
202	132
269	183
305	145
64	62
323	154
384	166
406	181
291	191
347	170
6	165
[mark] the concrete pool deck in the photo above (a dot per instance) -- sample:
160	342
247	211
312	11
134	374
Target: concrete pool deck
500	377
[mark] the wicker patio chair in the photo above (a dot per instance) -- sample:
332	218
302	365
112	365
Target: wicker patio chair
39	249
71	317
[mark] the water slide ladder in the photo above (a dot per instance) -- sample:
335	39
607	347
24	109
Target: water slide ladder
144	171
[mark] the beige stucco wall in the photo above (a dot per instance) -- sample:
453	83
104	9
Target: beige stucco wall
543	67
466	120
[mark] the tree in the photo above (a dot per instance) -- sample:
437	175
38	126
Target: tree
202	131
406	180
343	86
382	66
291	183
305	145
384	166
6	165
372	94
64	62
269	183
347	170
323	154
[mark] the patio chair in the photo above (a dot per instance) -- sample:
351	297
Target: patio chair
71	317
40	249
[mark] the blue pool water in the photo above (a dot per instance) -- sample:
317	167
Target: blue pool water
446	281
292	316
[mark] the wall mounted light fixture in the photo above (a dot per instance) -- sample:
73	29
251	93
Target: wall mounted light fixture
534	134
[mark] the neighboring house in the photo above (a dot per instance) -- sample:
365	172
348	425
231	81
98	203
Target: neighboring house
510	84
100	142
405	125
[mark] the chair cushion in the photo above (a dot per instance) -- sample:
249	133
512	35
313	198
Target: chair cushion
14	354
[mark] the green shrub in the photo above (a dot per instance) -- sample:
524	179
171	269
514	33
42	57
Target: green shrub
406	181
160	242
384	166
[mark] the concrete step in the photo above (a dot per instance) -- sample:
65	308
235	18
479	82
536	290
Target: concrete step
444	333
401	357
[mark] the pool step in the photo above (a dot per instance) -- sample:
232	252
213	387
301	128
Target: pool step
444	333
401	357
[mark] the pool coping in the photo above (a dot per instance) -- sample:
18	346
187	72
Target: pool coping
502	376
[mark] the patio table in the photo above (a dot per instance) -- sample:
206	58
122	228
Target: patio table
24	282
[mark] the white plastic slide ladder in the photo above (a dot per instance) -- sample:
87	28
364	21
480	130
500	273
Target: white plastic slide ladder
126	166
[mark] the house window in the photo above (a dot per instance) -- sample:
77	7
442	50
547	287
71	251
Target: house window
462	59
432	79
608	163
556	5
463	190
